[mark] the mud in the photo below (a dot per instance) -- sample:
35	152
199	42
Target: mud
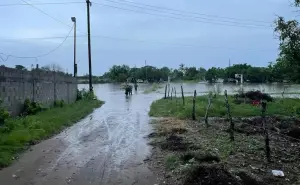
108	147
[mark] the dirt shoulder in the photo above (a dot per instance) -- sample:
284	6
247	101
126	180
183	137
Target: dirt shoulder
188	153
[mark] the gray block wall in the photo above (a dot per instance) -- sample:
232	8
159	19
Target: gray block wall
37	85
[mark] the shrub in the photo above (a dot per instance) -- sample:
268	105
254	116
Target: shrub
84	94
31	108
4	114
59	103
254	95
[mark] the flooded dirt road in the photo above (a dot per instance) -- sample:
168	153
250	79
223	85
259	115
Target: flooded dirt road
108	147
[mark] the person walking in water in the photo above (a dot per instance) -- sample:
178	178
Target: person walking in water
135	85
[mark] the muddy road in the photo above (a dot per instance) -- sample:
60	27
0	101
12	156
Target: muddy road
107	147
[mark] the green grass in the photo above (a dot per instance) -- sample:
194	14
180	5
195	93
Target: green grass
18	133
153	88
174	108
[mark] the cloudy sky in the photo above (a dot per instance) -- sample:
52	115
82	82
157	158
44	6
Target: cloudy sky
204	33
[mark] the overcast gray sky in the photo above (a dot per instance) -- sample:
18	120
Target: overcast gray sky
130	33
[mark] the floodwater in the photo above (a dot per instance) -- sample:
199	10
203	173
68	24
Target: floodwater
108	147
290	90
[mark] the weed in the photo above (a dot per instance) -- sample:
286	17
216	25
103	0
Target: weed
171	162
59	103
85	94
4	114
30	108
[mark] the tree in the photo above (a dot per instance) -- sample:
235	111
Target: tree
53	67
191	73
201	73
211	75
288	61
20	67
119	73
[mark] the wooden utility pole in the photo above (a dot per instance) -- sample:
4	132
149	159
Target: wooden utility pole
146	70
88	4
75	65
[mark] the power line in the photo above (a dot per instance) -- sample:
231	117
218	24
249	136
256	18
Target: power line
189	15
43	3
195	13
38	56
143	41
138	40
173	17
43	12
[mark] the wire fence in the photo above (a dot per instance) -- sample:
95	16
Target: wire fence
274	141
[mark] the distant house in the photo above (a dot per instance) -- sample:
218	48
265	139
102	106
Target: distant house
220	80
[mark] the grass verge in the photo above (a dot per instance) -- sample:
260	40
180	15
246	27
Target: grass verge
19	133
175	108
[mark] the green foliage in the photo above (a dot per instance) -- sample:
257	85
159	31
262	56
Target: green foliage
59	103
173	108
172	161
18	133
250	73
30	108
213	74
289	37
122	73
4	114
20	67
85	94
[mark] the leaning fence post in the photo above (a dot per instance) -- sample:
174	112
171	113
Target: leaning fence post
166	91
229	116
182	95
208	106
267	140
194	105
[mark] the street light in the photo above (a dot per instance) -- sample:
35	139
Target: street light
75	65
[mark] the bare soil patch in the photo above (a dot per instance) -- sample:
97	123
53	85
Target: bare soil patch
188	153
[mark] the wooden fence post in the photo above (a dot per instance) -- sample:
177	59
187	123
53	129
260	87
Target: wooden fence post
194	106
208	106
182	95
175	91
267	140
229	117
166	91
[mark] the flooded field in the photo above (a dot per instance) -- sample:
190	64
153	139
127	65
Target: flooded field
291	90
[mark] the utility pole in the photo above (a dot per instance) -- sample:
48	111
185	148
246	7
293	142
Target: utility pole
75	65
88	4
146	69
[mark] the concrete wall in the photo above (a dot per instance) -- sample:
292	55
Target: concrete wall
41	86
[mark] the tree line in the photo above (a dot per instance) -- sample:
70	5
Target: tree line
285	68
252	74
122	73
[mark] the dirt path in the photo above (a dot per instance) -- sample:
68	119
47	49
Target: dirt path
108	147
